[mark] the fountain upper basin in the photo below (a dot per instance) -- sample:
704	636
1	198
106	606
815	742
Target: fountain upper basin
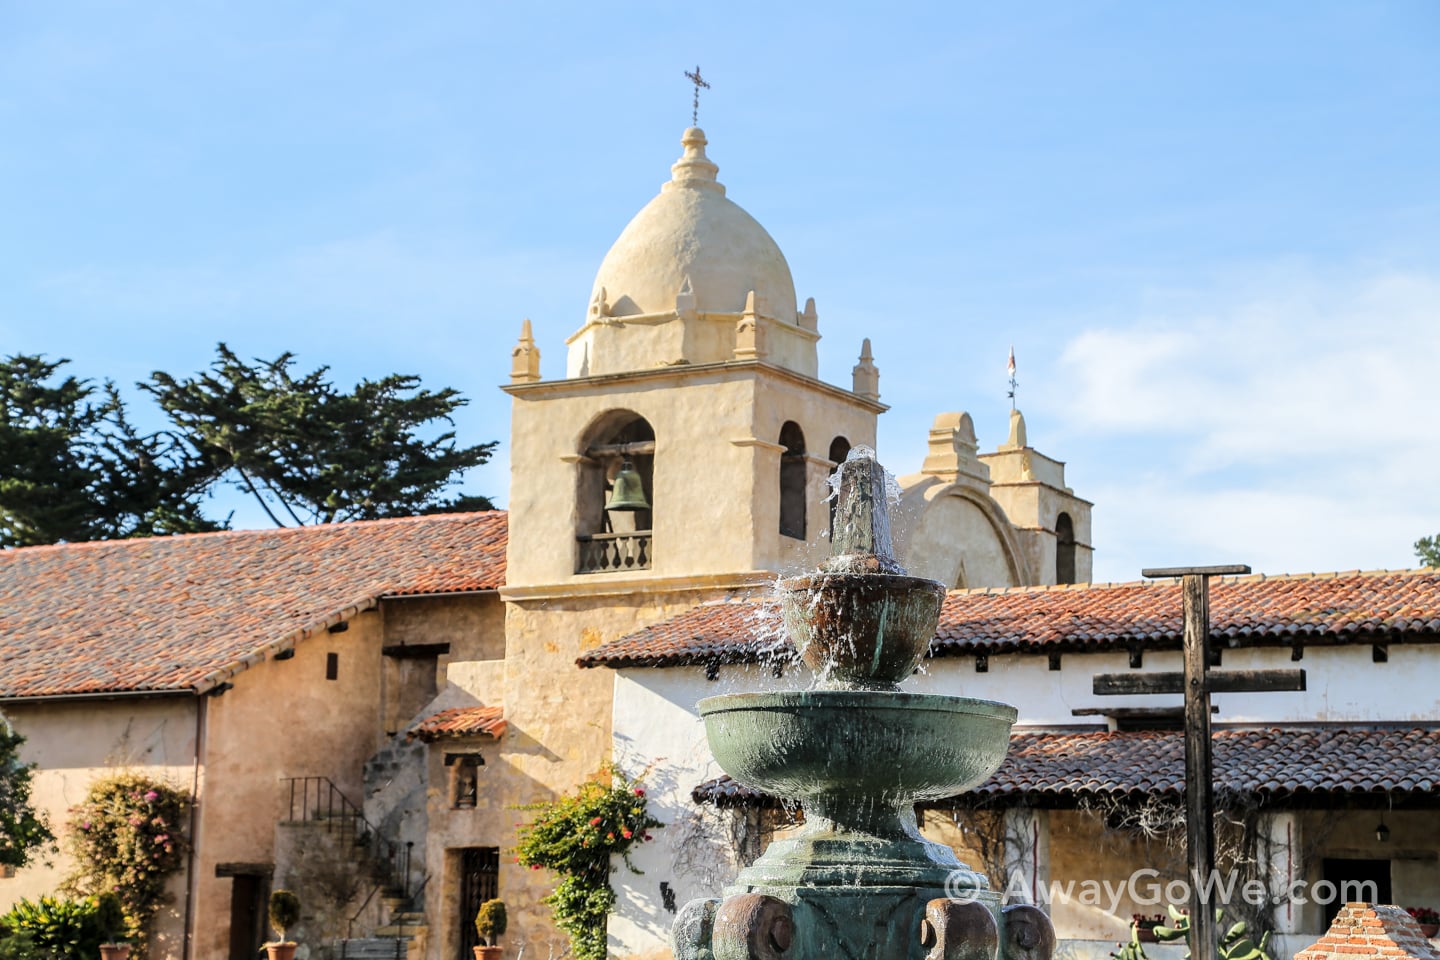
848	743
861	629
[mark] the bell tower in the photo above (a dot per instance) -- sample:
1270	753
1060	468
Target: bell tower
688	445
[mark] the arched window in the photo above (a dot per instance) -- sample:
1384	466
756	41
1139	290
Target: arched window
615	539
839	450
1064	549
792	481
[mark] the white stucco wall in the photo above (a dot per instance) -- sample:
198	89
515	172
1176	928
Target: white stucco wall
658	733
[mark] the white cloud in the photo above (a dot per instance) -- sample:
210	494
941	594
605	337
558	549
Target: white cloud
1287	422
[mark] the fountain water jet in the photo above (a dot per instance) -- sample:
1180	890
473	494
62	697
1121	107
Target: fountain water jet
858	880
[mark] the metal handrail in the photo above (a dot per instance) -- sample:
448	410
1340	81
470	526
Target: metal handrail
329	805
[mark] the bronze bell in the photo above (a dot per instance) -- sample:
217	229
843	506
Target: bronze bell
628	492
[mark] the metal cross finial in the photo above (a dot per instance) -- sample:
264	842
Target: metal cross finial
699	82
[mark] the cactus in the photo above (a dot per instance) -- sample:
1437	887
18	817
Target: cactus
1233	945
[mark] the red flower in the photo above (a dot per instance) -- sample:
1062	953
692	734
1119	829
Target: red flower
626	834
596	821
639	792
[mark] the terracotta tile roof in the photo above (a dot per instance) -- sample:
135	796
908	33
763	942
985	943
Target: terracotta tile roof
460	722
184	613
1270	764
1387	606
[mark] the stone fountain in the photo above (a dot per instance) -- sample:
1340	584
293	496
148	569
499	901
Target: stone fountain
858	880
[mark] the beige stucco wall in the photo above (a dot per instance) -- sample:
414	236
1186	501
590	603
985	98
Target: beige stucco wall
282	719
955	536
77	743
470	674
558	733
716	464
1413	851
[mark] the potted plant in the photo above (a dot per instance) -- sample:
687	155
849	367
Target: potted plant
490	923
1145	926
110	918
1428	919
284	914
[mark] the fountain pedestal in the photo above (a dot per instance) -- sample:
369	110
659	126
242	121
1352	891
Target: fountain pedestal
858	880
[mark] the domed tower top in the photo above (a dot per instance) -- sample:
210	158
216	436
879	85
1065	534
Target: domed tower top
693	279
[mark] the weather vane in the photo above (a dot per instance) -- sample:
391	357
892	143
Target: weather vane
699	82
1010	367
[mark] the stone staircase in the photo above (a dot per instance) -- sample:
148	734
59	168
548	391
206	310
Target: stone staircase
352	878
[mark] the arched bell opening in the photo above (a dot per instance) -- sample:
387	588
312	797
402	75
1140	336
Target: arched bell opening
1064	549
616	493
792	481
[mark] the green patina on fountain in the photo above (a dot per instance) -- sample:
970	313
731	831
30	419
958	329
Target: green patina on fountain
858	880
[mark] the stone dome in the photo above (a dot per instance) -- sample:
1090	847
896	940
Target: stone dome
692	239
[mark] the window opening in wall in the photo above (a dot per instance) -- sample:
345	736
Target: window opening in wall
332	666
464	778
1344	873
1064	549
839	450
615	494
792	481
479	881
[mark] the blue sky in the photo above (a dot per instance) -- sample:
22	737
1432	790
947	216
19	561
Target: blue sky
1209	230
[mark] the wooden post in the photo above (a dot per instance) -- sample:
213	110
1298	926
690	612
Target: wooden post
1199	767
1199	762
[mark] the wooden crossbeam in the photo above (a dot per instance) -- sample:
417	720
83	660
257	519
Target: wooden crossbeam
1217	681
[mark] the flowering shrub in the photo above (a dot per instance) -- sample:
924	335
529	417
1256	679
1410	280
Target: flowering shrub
1425	915
576	835
128	838
23	830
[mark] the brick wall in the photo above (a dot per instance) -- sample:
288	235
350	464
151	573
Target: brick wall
1365	930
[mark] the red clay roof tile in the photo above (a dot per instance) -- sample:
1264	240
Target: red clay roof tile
1271	764
460	722
1244	611
182	613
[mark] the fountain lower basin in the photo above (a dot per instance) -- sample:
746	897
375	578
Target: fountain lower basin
830	748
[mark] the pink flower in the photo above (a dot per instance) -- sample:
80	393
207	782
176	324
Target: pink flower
639	792
151	796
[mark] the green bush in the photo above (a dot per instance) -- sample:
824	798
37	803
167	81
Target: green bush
110	914
63	929
491	921
576	835
284	911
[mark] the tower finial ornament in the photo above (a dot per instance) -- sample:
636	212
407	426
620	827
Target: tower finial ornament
699	82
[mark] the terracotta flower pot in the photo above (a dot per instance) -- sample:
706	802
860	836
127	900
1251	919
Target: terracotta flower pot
114	951
1146	935
282	951
487	953
1429	930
